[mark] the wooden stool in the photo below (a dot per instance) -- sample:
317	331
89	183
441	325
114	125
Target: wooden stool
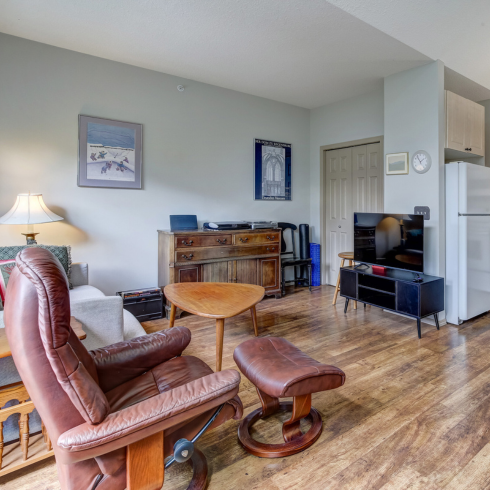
278	369
344	256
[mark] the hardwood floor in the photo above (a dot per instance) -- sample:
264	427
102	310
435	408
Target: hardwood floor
413	414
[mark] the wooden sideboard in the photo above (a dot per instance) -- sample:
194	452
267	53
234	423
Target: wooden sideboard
241	256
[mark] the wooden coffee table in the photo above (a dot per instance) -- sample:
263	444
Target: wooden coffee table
214	300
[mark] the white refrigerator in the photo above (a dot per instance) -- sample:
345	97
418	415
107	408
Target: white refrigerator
467	241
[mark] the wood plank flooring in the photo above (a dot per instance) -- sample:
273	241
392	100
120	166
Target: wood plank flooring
413	414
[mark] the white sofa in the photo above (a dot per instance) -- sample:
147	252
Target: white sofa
103	319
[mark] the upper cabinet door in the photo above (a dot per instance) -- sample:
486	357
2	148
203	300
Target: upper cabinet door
465	125
455	121
475	128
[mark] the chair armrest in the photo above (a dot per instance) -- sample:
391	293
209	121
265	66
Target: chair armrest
79	274
102	320
118	363
148	417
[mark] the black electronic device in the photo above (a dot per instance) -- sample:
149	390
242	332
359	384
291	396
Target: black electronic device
145	304
227	225
183	222
389	240
262	225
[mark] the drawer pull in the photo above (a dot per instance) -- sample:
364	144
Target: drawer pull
270	237
243	240
221	241
184	256
185	243
269	249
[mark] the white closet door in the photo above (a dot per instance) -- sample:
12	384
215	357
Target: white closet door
359	179
339	214
354	183
375	179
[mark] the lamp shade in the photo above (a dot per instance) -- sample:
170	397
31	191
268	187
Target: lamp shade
29	209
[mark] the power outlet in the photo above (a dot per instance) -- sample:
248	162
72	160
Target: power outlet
423	210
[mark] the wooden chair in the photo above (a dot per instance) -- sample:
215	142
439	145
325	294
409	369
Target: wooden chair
289	259
344	256
17	391
129	404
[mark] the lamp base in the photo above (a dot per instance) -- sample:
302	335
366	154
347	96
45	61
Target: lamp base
30	238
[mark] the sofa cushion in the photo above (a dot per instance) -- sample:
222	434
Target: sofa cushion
61	252
85	292
6	268
132	327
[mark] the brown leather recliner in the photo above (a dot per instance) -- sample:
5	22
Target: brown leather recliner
113	414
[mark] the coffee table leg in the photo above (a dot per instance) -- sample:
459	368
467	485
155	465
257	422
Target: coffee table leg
173	310
254	320
220	330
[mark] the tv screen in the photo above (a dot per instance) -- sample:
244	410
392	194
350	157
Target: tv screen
389	240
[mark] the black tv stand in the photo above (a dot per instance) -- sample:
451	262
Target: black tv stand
395	290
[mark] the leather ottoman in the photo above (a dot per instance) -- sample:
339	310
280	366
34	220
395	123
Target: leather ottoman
278	369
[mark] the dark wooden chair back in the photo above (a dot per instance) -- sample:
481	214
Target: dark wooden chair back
284	227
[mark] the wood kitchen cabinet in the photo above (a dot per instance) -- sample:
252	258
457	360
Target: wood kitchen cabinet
465	125
243	256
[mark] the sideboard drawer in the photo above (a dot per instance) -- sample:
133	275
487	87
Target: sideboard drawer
252	238
198	254
188	241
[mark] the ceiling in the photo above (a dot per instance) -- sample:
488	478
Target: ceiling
456	32
307	54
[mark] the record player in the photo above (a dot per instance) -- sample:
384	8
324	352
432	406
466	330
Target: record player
226	225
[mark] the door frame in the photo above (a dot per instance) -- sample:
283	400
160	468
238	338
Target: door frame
323	193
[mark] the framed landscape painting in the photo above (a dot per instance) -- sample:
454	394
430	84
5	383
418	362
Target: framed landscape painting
397	163
272	171
109	153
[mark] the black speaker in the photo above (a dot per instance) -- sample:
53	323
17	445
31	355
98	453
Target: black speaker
304	249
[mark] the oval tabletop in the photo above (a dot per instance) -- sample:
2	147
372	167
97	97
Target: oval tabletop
214	299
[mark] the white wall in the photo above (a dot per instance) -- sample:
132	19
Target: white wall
348	120
197	154
414	120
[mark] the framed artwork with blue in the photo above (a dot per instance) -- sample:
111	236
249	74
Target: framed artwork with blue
272	176
109	153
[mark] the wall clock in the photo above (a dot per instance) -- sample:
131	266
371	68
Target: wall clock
421	161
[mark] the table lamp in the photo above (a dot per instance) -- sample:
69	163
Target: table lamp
29	209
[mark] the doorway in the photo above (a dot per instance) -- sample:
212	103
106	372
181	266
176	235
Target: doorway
353	175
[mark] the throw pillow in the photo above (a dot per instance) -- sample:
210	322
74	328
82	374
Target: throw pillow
6	268
61	252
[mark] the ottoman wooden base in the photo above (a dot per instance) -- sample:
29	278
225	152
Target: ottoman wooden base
200	471
278	369
295	440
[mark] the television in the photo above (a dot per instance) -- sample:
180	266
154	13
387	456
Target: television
389	240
